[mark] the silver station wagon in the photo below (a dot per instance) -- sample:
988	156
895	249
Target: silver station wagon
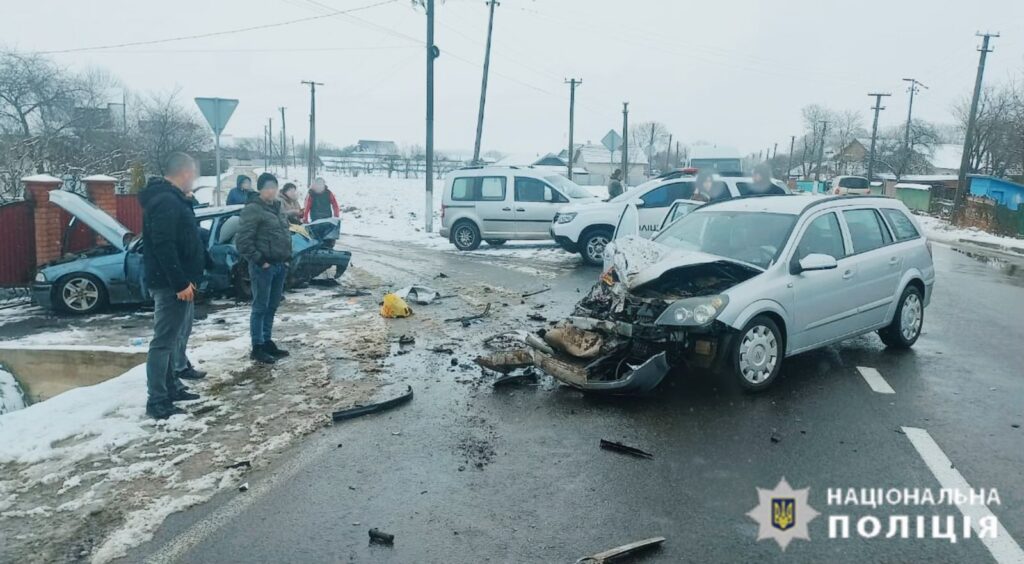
740	285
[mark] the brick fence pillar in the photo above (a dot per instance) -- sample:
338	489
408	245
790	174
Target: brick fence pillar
100	190
46	216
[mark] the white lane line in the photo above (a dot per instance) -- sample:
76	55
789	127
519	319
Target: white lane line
1002	547
875	380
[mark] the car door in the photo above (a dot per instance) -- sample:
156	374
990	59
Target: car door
494	207
878	264
535	205
679	209
656	203
822	310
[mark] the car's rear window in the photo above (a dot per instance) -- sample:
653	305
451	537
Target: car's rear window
901	225
478	189
854	182
866	230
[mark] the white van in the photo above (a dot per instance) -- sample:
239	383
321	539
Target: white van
497	204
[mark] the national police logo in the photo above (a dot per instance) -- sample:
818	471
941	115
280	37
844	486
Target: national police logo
783	510
783	514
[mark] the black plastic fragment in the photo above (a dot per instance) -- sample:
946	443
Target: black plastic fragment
360	410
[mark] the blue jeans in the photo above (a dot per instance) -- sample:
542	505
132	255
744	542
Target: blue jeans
170	318
180	361
267	287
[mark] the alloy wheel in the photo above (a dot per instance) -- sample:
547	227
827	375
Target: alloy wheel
80	294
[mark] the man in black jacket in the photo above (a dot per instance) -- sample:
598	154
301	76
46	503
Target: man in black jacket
174	259
264	240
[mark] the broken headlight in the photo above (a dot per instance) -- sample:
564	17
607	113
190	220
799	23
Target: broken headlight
694	312
565	217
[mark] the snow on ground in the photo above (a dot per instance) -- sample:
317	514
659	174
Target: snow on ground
86	475
942	231
12	398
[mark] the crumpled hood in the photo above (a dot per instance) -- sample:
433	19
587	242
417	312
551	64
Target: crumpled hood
638	261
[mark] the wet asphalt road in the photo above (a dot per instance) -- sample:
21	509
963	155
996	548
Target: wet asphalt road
476	474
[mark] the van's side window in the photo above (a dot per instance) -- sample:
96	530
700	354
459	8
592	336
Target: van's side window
901	224
492	188
478	188
529	190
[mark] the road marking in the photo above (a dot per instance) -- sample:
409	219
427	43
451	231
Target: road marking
1002	547
875	380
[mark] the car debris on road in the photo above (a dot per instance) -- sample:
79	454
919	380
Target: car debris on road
625	449
421	295
380	537
360	410
620	551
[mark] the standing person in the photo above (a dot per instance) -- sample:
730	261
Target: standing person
290	205
242	191
173	261
762	181
320	202
265	241
615	184
704	186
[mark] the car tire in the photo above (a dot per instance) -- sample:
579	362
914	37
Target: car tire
906	324
496	242
466	236
757	353
79	294
592	244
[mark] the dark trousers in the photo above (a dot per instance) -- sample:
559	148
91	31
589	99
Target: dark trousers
170	318
267	287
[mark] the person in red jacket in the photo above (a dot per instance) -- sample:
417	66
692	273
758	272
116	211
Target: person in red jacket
320	202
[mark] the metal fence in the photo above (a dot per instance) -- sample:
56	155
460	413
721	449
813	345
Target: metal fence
18	250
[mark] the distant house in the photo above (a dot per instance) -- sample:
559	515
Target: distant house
1003	192
713	157
377	148
599	163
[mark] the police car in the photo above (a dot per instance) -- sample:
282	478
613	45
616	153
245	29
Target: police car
587	228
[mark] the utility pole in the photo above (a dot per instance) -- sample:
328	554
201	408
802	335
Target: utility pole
266	149
311	157
573	83
284	143
677	154
293	150
668	152
775	151
965	159
821	149
625	144
483	85
270	142
874	131
432	53
914	86
792	144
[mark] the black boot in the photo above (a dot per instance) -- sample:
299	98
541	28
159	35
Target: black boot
183	395
275	352
162	410
259	354
191	373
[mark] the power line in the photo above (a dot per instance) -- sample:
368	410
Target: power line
216	33
261	50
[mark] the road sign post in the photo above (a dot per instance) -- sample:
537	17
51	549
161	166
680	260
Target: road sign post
217	112
611	141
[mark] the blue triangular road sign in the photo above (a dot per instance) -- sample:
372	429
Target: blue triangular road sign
217	111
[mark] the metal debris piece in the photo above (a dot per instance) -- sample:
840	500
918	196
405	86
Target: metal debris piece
506	361
625	449
360	410
536	317
505	341
535	292
620	551
244	487
421	295
241	464
406	340
466	319
441	275
515	377
380	537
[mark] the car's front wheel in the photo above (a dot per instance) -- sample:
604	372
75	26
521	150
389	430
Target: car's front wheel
905	328
80	294
757	354
466	236
592	244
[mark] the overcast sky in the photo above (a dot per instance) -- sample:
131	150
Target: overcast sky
726	72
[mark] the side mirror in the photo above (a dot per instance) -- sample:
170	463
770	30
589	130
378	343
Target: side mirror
818	261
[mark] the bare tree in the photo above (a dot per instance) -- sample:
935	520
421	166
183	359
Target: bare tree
649	136
164	127
995	143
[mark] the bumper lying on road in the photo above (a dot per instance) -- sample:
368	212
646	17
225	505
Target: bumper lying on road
42	295
593	376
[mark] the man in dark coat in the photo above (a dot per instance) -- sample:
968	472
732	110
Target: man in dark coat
242	192
174	258
762	181
615	184
264	240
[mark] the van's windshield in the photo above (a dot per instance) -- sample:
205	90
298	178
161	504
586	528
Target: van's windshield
568	187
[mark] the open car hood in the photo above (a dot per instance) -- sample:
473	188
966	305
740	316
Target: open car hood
638	261
97	219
